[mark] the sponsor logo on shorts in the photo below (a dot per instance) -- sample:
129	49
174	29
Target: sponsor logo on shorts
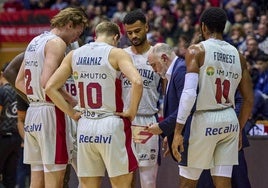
100	139
143	157
33	128
210	131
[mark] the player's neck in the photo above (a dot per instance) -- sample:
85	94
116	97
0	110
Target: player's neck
141	49
217	36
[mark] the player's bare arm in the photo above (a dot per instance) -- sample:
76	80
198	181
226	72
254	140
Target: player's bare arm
56	82
11	73
20	84
125	64
246	89
13	68
194	59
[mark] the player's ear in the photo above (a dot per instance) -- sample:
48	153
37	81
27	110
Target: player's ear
116	37
164	57
146	27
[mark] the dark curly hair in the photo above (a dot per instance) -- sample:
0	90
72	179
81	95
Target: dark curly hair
214	18
133	16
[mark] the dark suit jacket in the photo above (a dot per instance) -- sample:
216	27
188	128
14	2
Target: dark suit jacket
172	99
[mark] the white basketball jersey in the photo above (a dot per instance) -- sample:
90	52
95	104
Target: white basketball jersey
219	76
34	60
151	81
96	81
70	87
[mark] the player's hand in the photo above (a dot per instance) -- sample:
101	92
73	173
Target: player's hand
177	146
76	116
154	128
165	147
126	114
73	102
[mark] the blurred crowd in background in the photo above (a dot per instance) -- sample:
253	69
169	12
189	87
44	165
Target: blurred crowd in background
176	22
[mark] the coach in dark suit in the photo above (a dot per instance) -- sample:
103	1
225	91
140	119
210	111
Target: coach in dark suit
164	61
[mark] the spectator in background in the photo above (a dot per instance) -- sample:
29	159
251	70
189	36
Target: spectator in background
230	7
262	67
253	51
10	140
182	45
239	17
264	18
120	12
236	35
13	5
169	30
185	27
248	30
252	16
262	37
59	5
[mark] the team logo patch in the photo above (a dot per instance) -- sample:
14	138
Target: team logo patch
210	71
75	75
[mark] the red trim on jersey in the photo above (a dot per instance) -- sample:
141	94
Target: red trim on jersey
133	163
61	154
118	96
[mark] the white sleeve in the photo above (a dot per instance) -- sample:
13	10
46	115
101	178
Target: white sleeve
188	97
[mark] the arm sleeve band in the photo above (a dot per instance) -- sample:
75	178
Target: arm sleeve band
188	97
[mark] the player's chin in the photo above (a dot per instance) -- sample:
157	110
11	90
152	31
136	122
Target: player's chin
135	42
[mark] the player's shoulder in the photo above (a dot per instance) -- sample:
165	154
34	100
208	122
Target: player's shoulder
195	49
118	51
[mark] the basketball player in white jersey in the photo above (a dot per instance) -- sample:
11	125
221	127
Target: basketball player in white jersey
148	153
45	127
215	69
103	137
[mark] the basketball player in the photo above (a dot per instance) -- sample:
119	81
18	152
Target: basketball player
10	74
103	137
148	153
45	144
216	69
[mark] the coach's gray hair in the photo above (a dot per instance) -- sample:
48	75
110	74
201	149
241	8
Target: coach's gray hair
162	48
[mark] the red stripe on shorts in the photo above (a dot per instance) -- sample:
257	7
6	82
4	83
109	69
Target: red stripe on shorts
133	163
61	154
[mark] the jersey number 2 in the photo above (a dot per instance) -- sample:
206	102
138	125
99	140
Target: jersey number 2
94	95
28	77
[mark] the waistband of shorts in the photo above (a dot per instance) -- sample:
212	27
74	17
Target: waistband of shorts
145	115
89	114
41	103
215	110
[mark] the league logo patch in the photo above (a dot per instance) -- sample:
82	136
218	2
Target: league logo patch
75	75
210	71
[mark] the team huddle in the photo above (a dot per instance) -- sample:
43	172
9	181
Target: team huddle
84	105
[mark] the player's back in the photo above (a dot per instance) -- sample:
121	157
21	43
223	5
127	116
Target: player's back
219	76
34	62
98	86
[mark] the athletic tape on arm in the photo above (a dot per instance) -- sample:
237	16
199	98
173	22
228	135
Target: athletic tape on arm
188	97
